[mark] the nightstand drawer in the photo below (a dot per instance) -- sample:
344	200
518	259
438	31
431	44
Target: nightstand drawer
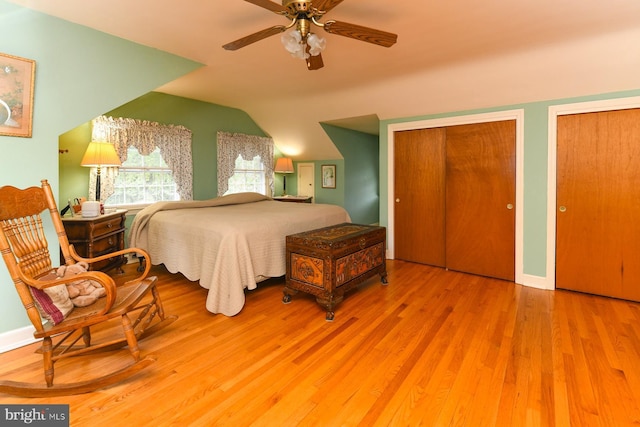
105	227
85	229
106	245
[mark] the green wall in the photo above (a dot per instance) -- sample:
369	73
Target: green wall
202	118
76	79
361	175
205	120
333	196
535	171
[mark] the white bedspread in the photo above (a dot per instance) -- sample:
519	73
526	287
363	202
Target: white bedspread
227	248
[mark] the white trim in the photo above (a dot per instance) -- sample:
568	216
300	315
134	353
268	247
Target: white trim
11	340
554	112
518	116
539	282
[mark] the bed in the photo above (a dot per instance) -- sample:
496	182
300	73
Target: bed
229	243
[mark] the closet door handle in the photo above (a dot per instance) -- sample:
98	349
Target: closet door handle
509	206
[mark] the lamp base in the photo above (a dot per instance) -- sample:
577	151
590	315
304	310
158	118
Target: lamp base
98	187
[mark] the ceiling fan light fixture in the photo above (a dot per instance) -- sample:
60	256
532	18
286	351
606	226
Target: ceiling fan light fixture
297	47
304	15
292	42
316	44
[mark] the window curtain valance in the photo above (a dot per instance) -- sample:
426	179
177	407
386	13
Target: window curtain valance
232	145
173	141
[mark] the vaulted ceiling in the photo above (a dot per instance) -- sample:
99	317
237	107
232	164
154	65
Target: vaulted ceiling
450	56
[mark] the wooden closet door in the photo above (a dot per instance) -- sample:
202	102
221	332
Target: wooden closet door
419	210
598	203
480	199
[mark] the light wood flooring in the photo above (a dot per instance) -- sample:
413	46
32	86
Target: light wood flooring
432	348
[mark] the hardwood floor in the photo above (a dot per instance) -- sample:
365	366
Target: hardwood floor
434	347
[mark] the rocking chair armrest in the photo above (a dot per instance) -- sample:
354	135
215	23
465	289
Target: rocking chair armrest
40	283
104	279
140	252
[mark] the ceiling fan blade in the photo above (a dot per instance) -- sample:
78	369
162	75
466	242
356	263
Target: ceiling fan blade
361	33
252	38
274	7
326	5
315	62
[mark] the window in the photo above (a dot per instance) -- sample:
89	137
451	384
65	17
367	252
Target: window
248	175
235	174
161	162
143	180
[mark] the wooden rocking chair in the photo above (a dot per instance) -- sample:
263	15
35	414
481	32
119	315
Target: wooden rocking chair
25	251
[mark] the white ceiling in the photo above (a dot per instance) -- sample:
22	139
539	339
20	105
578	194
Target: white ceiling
450	55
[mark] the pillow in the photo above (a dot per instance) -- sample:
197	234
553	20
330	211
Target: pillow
53	303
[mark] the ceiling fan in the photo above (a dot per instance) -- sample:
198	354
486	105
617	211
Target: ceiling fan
301	42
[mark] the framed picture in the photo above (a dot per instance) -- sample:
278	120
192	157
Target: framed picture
16	95
328	176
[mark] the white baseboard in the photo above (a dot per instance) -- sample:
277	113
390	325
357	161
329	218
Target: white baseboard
538	282
16	338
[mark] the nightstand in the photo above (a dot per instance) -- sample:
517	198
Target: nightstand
294	199
92	237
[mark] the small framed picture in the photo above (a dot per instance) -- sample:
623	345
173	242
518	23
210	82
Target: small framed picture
328	176
16	95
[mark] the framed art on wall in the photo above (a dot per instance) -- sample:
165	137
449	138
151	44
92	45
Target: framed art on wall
16	95
328	176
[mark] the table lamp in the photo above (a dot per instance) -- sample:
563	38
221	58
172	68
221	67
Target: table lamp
284	165
100	154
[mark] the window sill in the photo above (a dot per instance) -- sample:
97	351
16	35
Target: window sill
132	209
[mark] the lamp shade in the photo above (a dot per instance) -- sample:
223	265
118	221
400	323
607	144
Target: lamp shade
100	154
284	165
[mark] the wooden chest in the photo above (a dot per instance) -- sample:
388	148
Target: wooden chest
329	261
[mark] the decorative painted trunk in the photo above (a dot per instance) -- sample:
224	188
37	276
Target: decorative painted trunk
329	261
